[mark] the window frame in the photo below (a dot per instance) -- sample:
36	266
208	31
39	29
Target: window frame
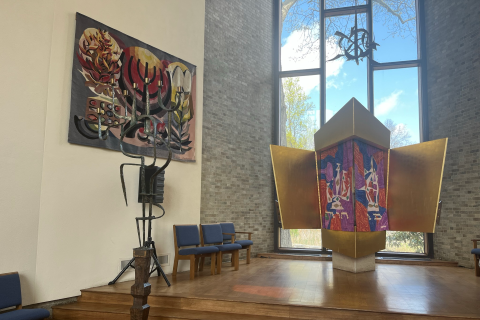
372	66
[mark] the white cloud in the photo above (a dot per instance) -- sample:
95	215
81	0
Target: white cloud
333	84
332	50
387	103
296	57
328	115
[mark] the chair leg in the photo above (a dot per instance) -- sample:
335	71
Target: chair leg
232	261
192	268
197	262
477	267
249	250
202	261
219	262
175	266
212	267
237	259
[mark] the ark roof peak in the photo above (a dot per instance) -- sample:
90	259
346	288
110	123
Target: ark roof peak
353	120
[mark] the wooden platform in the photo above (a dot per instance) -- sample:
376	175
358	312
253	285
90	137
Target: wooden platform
294	289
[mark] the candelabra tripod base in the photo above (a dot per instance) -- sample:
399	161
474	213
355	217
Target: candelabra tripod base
157	268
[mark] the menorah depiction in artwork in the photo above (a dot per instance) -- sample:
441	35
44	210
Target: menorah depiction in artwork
109	72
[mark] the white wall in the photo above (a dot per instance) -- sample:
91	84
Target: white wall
24	66
64	225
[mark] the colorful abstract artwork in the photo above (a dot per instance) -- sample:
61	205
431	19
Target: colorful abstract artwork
370	197
102	54
336	166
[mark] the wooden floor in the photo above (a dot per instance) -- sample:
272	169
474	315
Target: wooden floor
292	289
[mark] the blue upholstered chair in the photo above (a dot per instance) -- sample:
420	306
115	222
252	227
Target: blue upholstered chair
228	228
187	235
212	234
11	296
476	257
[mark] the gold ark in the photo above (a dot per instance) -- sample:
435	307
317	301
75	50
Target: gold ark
354	187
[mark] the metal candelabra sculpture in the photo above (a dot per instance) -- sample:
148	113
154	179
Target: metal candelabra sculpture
146	190
357	45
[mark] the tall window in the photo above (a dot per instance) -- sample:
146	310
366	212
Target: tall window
313	85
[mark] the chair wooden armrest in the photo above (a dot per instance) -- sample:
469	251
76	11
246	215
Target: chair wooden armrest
476	258
475	243
230	234
246	232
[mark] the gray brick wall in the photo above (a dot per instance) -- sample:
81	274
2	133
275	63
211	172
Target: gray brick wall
237	177
453	64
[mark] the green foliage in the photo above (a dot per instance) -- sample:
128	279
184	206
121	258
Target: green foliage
300	120
306	238
413	241
396	241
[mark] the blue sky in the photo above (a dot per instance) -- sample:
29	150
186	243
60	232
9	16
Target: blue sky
396	91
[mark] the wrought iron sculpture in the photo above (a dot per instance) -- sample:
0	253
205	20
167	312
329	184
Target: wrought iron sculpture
131	122
357	45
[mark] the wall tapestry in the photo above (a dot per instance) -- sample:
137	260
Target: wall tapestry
336	166
370	200
102	54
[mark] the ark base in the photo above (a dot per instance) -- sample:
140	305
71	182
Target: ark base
346	263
